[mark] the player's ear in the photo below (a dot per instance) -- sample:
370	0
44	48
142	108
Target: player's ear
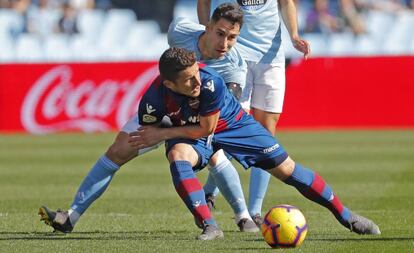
168	84
208	25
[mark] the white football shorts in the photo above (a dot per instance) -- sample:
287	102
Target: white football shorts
131	126
265	87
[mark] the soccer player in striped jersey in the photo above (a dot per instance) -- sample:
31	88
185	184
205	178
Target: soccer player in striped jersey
214	44
205	118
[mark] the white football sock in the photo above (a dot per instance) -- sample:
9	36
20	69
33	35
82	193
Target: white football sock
243	215
73	216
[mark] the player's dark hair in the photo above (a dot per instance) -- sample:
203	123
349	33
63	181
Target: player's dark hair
230	11
174	60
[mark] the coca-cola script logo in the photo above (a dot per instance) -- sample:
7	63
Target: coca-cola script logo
55	104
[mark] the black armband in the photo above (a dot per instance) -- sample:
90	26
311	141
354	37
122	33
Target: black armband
235	89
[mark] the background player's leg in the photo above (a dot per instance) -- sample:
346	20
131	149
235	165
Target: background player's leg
228	181
266	106
259	181
210	187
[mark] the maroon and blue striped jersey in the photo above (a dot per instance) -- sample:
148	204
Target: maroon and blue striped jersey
160	101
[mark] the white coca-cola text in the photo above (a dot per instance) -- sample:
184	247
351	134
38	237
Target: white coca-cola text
65	106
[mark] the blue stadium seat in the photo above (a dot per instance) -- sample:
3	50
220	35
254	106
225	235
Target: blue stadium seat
115	29
82	49
90	23
7	52
29	48
11	23
151	51
318	43
141	32
56	48
400	35
342	44
43	22
187	9
366	45
379	23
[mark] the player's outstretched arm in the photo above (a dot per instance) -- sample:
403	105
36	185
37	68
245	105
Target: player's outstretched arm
147	136
203	11
290	18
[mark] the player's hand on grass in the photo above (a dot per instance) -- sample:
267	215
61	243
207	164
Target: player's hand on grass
302	46
144	137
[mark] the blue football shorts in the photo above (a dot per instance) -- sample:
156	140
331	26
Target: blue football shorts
247	141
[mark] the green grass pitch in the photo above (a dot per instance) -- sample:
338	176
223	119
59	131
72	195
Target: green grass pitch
372	172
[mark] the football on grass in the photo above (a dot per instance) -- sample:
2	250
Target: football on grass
284	226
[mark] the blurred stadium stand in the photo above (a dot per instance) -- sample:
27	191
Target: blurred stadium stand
31	32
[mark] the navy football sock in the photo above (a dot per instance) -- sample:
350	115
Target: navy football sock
190	190
313	187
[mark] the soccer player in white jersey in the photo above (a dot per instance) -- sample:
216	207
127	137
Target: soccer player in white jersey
212	46
259	43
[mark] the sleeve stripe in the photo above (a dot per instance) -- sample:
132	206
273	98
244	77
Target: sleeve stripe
211	113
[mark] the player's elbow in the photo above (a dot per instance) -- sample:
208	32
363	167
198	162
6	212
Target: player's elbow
206	131
210	131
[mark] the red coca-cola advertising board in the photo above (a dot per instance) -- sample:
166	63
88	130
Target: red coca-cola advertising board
350	92
372	92
45	98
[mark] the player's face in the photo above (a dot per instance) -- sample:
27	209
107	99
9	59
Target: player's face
188	82
221	37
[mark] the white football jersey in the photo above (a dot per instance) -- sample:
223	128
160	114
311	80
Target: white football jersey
260	37
185	33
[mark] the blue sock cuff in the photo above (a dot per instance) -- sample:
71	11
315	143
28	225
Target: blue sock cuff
210	222
302	175
181	170
181	164
108	164
346	214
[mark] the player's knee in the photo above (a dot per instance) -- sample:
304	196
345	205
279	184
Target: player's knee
117	155
182	152
283	170
218	158
120	152
176	155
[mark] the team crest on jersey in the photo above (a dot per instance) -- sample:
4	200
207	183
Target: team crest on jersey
194	103
150	109
149	118
251	2
210	85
